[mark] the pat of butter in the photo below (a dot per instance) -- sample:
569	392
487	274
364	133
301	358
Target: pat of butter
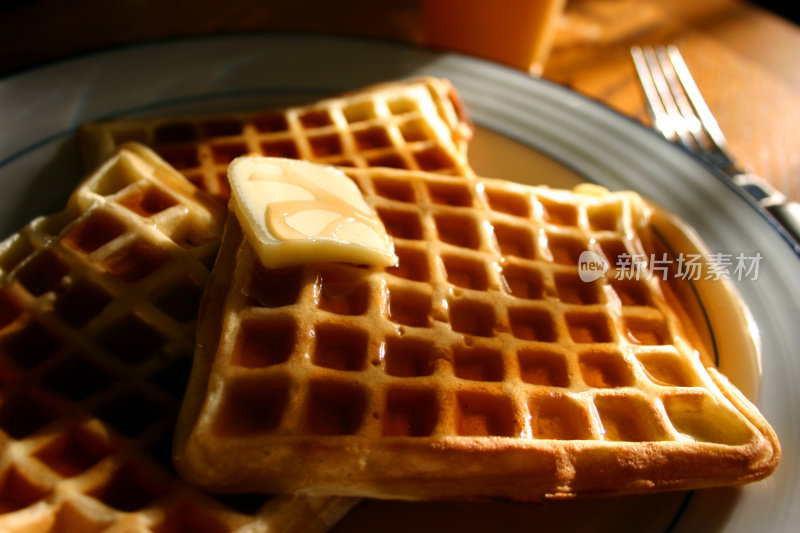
295	212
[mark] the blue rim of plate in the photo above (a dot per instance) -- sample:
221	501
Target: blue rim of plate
318	91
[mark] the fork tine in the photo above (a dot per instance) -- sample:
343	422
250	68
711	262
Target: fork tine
689	119
665	93
659	115
707	120
676	106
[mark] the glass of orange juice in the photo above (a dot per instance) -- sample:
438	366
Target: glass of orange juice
517	33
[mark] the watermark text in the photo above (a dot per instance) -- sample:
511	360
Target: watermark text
687	266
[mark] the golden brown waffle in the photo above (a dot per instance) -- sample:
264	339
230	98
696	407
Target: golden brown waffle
98	311
481	366
416	124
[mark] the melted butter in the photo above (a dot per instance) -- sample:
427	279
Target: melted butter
295	212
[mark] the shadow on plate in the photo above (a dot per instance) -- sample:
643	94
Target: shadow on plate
708	510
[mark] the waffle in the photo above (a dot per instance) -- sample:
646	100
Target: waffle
416	124
98	310
480	366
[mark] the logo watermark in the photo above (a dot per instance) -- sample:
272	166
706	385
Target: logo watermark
591	266
693	267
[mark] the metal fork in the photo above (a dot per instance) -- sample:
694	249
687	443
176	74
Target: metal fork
681	115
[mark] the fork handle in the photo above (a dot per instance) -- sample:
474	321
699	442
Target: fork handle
786	212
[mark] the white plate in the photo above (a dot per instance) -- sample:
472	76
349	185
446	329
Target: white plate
41	108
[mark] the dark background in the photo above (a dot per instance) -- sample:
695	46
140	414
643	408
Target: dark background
33	32
785	8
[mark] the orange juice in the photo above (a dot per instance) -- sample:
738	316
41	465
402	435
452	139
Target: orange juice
517	33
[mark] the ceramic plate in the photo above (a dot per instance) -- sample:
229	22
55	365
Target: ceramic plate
529	130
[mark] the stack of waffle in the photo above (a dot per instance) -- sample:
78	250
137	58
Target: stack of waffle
99	306
481	365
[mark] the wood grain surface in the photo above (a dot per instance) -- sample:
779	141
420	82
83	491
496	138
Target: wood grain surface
745	59
746	62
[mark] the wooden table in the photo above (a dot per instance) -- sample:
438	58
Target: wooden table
746	62
744	58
